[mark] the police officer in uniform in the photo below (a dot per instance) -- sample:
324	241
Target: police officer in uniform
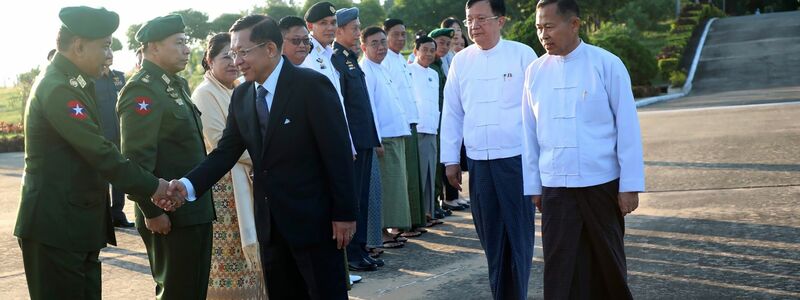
360	119
64	217
161	131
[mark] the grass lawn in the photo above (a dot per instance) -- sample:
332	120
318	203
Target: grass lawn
10	107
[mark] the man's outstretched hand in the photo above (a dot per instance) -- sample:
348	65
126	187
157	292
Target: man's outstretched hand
170	195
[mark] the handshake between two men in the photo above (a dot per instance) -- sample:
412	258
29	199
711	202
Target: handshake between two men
169	196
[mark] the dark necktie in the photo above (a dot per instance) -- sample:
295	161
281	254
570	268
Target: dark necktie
261	109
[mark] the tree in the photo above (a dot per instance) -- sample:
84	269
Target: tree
133	44
24	84
223	23
197	26
336	3
425	15
624	43
370	12
116	45
277	9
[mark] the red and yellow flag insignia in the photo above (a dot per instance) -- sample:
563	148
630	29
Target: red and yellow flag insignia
77	110
142	105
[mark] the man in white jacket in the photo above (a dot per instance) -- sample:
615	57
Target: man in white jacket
482	106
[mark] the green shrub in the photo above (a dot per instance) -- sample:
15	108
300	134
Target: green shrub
620	40
677	78
710	11
666	66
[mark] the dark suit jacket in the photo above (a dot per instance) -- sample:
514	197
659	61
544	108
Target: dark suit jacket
303	167
356	98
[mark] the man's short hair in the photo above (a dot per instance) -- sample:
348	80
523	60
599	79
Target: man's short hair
566	8
389	23
288	22
498	6
422	40
264	29
369	31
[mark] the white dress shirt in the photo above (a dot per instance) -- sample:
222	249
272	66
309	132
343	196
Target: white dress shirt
319	59
388	106
398	68
270	85
482	102
425	83
580	123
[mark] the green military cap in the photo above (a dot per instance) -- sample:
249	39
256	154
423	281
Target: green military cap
159	28
88	22
320	11
448	32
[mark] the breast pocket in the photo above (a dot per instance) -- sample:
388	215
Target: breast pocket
595	108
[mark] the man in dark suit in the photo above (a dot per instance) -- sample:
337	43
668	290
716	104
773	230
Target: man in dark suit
291	121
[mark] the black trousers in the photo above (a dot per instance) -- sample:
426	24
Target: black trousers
314	272
357	249
582	240
117	204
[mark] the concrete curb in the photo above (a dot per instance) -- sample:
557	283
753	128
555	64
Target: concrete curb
687	86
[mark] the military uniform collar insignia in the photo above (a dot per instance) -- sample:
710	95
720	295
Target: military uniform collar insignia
73	82
346	53
146	78
165	78
81	81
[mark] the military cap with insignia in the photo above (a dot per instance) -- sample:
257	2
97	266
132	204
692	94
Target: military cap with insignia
160	28
88	22
320	11
448	32
346	15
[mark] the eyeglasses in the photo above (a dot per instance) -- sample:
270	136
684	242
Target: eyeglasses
375	44
479	21
297	41
243	53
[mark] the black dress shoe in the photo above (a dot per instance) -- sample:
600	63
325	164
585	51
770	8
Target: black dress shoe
452	207
123	224
362	265
375	261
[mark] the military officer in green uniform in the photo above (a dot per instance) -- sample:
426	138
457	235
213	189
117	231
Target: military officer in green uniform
161	131
64	217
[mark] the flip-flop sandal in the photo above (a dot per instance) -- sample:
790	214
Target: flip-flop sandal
375	252
434	222
393	244
398	238
409	234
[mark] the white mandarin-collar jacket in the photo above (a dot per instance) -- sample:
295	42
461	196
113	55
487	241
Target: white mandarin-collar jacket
425	83
580	122
398	68
482	102
388	108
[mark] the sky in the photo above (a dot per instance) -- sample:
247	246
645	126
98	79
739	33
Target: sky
29	27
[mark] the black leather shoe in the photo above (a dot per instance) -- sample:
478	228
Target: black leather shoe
362	265
375	261
123	224
451	207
